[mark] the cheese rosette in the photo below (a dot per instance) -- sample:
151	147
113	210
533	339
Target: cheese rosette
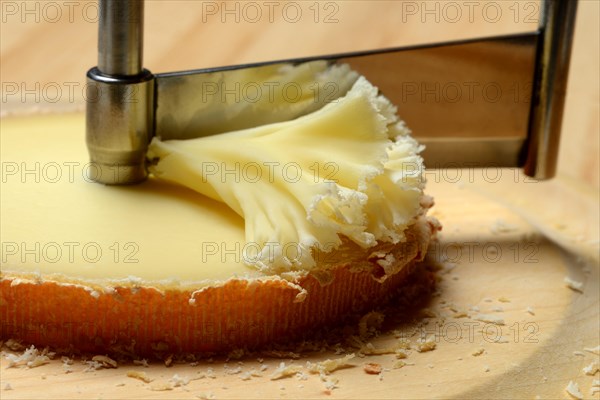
347	170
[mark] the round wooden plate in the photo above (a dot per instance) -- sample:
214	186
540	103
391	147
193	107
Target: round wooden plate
507	245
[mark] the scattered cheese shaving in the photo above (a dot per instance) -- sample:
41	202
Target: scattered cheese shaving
530	310
178	381
284	371
328	366
369	349
372	368
478	352
492	319
428	344
246	376
573	285
105	361
573	390
595	350
592	369
142	376
401	363
30	358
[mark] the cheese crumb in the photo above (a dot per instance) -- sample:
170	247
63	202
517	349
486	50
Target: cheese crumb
30	358
232	371
330	384
530	310
401	363
179	380
372	368
573	390
246	376
492	319
595	350
369	349
573	285
284	371
328	366
592	369
427	344
478	352
142	376
105	361
503	299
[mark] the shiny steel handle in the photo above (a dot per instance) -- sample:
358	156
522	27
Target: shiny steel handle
120	106
552	69
121	37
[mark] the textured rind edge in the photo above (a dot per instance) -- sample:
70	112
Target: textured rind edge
238	313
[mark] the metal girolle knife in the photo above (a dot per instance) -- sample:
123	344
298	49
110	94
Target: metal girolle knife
129	105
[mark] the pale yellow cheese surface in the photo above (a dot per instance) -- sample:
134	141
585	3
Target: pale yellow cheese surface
55	220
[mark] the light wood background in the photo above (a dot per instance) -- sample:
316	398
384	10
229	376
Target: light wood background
52	44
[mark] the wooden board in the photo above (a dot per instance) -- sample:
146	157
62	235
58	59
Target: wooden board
504	238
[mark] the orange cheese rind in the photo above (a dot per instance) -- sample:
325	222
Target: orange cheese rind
149	319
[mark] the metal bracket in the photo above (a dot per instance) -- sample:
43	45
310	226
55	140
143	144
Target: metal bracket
127	102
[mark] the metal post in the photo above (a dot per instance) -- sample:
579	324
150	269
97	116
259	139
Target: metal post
554	53
119	112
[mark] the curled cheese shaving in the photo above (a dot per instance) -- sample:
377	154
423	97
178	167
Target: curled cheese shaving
348	169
